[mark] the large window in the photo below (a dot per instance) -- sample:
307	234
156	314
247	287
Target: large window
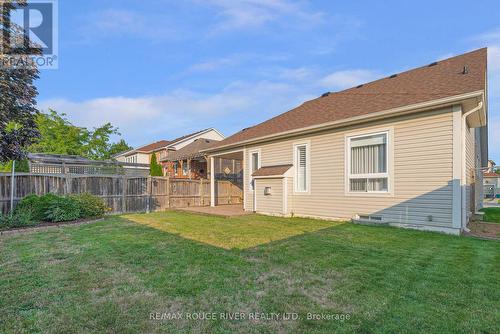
254	165
301	168
368	161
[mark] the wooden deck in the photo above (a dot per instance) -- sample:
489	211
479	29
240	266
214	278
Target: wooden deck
220	210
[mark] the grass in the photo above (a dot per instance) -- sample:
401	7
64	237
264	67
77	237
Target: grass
491	215
111	275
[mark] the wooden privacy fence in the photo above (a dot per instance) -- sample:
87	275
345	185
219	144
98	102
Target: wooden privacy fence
122	193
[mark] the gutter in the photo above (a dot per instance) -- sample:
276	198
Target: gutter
354	120
464	164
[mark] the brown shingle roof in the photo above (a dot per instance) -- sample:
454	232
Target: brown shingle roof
191	151
153	146
164	143
491	174
438	80
187	136
277	170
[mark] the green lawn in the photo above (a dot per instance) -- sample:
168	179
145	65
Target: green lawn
491	215
111	275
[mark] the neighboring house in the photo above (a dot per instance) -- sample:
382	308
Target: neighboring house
491	185
143	153
163	148
405	150
188	162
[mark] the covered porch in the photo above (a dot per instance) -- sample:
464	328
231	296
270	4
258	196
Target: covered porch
226	166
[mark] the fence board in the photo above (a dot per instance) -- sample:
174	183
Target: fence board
122	193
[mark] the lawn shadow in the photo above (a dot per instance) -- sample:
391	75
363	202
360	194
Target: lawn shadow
230	233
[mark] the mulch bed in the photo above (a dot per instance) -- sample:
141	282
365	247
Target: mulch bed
485	230
48	226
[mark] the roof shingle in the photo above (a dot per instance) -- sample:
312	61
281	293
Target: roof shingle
443	79
277	170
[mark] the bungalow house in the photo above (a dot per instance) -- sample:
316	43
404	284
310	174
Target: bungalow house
163	148
405	150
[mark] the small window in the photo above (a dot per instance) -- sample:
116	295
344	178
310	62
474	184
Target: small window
185	170
368	160
301	168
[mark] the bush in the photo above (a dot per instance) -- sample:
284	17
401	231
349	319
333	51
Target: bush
54	208
90	205
62	209
18	219
37	206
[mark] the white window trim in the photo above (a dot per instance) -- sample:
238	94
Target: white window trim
389	131
307	144
250	177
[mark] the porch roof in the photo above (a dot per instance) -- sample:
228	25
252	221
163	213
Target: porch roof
278	170
191	151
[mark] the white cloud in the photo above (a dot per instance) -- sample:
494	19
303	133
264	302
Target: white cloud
256	13
126	23
297	74
173	114
348	78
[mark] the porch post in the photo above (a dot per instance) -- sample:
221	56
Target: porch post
212	182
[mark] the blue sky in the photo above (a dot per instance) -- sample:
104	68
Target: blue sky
158	69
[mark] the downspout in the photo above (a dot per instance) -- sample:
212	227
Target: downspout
463	182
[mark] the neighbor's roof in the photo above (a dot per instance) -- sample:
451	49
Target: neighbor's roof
153	146
277	170
176	140
149	148
191	151
438	80
491	175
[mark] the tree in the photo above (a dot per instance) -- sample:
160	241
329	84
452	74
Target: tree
17	98
155	168
118	147
60	136
21	166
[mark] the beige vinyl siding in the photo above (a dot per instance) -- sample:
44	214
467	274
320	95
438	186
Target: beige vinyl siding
269	204
470	168
289	206
421	177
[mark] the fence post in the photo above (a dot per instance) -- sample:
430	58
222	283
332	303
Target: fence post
148	194
202	201
168	192
124	194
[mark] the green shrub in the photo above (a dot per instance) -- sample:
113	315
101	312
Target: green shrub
90	205
37	206
18	219
54	208
62	209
